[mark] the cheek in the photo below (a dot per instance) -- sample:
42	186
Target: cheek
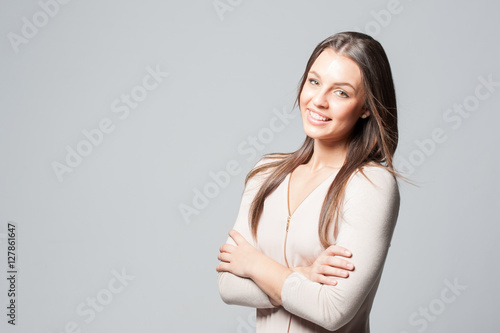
346	110
305	96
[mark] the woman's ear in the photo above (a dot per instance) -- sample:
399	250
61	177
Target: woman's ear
366	113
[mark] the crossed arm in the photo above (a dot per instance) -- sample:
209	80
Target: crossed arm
245	261
247	277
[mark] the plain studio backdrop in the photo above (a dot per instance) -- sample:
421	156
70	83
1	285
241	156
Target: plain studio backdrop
127	129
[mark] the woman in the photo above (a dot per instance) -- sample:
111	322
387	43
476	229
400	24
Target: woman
301	211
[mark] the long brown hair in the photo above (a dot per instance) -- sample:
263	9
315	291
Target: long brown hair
373	139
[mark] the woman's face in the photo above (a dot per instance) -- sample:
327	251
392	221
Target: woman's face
332	99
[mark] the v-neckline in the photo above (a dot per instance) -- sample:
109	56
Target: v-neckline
303	200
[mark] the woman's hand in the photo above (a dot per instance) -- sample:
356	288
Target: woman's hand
240	259
327	266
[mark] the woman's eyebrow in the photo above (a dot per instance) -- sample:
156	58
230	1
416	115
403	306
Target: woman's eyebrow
335	83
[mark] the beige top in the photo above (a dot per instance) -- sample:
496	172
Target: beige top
370	212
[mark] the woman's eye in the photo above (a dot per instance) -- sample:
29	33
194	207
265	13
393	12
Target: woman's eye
341	93
314	82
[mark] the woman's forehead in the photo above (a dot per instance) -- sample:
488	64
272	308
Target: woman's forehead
335	67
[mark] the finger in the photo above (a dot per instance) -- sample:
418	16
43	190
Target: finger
339	263
237	237
332	272
338	251
224	256
222	267
325	280
227	248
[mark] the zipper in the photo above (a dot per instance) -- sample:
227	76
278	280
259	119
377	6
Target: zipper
288	226
286	237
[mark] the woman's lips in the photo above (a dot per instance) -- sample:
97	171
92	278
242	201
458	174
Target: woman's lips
316	118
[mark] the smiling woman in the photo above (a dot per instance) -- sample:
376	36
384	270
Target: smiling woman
332	98
284	254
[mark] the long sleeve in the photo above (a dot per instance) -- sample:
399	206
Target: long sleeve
234	289
370	213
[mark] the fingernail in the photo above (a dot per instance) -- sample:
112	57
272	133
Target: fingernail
350	266
347	252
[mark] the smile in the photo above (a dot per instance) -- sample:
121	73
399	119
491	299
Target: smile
317	116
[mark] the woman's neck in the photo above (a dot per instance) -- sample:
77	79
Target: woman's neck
327	155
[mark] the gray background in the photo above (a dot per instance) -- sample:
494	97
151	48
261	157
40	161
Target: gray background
229	73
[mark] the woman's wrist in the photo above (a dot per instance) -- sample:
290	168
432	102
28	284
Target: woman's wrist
300	270
262	264
269	275
257	264
273	301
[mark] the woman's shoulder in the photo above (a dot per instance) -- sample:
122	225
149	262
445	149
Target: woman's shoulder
374	176
372	198
263	168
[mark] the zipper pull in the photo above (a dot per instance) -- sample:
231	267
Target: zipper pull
288	222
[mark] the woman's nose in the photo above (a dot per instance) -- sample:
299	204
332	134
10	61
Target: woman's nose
320	100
